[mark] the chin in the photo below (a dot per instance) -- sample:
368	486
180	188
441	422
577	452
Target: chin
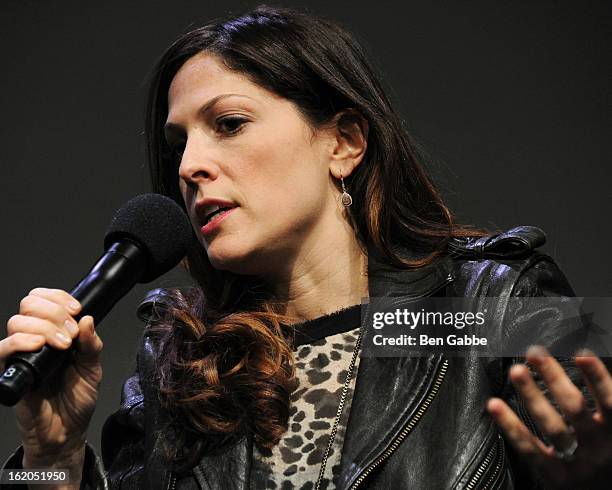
239	260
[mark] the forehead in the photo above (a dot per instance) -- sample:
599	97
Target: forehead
205	76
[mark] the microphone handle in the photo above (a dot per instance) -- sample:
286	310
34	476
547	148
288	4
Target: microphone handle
112	276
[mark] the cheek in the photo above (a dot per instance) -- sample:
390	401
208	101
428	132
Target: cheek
283	160
283	177
291	203
288	187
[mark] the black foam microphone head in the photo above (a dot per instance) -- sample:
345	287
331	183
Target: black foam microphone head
157	225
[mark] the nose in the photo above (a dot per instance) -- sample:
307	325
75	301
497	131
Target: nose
197	162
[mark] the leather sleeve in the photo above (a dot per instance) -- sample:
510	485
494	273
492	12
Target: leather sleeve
93	471
121	466
132	434
123	439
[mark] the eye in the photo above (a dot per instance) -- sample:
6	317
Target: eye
230	124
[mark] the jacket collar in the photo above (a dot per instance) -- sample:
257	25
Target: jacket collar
385	280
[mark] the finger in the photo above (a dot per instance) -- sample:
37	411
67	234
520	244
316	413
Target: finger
543	413
37	306
19	342
89	345
599	381
54	336
58	296
566	394
516	433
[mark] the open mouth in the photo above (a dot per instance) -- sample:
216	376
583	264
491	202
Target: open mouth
216	214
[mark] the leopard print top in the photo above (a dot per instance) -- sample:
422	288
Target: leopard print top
323	350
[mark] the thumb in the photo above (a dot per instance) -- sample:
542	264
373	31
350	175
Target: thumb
89	345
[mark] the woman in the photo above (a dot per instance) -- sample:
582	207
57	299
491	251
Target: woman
306	195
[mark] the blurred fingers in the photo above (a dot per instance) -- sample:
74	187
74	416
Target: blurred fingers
599	381
516	432
566	394
541	410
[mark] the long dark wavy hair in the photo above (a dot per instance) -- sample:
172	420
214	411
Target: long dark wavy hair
225	360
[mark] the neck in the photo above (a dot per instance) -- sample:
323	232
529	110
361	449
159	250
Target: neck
322	280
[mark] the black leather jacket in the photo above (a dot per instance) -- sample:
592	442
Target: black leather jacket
417	422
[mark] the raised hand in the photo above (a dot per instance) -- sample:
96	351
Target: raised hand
580	454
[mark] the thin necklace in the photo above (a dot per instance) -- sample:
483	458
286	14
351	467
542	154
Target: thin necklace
347	382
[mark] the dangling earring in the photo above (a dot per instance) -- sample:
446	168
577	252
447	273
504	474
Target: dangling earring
346	198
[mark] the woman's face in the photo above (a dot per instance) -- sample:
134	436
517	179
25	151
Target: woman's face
251	152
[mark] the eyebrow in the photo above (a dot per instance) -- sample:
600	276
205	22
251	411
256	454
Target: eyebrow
205	108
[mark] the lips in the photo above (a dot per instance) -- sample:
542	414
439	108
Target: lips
216	219
210	209
217	210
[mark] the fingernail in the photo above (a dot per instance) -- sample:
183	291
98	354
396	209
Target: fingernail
517	373
585	353
491	406
536	351
75	305
72	327
63	339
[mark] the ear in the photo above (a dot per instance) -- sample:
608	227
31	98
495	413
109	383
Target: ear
350	142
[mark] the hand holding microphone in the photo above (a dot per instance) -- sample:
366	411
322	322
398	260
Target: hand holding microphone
53	336
53	421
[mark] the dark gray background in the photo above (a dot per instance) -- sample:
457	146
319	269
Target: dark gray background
511	99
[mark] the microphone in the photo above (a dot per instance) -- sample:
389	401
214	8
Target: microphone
147	237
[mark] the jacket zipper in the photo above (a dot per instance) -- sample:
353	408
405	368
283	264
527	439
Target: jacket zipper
496	454
499	467
408	428
421	410
172	482
447	280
